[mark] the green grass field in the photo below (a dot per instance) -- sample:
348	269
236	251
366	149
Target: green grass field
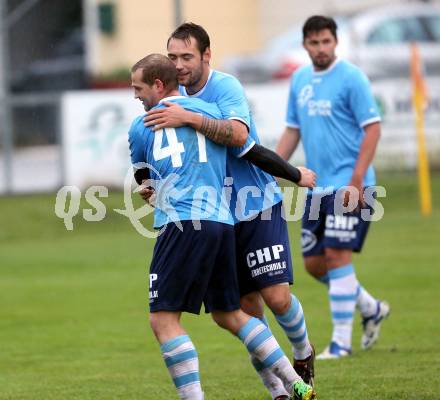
74	325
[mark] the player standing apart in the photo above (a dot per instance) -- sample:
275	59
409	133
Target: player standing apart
331	109
263	250
193	260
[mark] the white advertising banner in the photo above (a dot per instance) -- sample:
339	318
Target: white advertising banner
96	123
95	136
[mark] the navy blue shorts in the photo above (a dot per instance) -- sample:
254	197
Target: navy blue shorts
322	228
263	252
194	267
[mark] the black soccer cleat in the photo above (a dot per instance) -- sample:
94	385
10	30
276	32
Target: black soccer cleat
306	368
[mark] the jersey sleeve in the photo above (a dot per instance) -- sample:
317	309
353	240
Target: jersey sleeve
137	140
242	150
291	115
362	101
231	100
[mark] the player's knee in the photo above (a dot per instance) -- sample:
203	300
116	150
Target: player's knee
336	258
315	266
312	270
155	324
330	259
252	304
220	319
161	325
231	321
166	325
279	303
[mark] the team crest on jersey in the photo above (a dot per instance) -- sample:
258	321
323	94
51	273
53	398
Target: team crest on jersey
305	95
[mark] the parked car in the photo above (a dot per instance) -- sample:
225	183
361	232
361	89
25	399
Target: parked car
378	40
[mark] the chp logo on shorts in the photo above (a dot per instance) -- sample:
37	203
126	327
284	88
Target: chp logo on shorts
341	227
153	294
265	261
308	240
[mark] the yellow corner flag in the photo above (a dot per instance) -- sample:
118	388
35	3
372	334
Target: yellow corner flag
419	99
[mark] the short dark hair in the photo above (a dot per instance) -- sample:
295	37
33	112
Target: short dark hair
157	66
318	23
188	29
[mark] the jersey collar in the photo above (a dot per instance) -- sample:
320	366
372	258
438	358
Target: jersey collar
171	98
326	71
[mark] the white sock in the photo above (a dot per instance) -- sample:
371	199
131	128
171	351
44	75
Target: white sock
366	303
182	362
294	325
272	383
342	293
263	346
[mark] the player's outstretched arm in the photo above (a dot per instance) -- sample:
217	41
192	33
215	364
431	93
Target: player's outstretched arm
225	132
272	163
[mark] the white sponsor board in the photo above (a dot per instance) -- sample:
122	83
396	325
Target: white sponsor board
95	132
96	123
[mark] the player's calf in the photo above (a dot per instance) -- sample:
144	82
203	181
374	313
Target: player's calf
182	362
294	325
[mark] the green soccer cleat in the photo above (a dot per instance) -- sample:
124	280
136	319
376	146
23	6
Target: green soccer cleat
302	391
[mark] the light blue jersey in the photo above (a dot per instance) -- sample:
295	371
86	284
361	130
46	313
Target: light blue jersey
331	108
253	190
189	170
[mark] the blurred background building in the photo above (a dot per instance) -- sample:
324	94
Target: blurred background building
49	48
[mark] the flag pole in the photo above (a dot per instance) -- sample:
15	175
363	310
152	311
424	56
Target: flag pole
419	100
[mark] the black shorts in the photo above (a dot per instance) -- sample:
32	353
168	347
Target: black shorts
194	267
263	251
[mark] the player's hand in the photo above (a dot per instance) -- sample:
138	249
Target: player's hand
355	192
308	178
148	194
171	116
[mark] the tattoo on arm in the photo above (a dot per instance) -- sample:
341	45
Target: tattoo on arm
218	130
